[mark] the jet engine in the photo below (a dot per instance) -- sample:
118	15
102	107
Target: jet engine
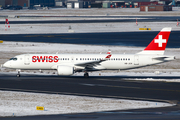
65	70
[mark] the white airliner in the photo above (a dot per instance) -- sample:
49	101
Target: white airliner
68	64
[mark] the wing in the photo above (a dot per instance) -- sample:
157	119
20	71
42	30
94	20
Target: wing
91	64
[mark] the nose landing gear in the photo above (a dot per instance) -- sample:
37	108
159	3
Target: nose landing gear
18	75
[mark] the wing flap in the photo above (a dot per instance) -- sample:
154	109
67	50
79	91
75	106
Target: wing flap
91	64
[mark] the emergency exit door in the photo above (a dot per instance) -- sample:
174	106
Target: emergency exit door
26	60
136	60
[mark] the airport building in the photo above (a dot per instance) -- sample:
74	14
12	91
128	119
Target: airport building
23	3
2	3
28	3
156	8
85	3
43	3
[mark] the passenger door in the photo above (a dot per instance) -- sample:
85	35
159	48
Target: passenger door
136	60
27	60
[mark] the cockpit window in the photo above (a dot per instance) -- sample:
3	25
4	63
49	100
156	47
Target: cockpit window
13	59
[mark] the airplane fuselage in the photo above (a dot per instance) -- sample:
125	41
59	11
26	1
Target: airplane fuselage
51	61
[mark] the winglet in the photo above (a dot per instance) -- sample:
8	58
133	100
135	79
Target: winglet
109	52
108	56
158	44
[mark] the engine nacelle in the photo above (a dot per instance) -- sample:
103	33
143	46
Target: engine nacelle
65	70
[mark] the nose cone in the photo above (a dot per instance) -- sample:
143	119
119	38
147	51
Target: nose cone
6	65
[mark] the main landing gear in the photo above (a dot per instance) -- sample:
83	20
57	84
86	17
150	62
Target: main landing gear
86	75
18	75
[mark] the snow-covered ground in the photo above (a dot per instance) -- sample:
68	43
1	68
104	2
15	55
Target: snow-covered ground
23	103
90	12
84	28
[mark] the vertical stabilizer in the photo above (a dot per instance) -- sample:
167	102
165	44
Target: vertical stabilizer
158	44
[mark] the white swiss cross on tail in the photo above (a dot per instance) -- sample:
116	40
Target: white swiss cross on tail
158	44
160	41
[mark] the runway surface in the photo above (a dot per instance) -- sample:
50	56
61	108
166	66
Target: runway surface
106	87
97	19
140	39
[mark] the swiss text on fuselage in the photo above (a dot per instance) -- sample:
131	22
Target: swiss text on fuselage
45	59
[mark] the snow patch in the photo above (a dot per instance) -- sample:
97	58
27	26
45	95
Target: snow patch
23	104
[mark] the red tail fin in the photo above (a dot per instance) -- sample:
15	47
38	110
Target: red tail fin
158	44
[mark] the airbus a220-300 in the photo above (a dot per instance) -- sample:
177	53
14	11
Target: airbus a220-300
68	64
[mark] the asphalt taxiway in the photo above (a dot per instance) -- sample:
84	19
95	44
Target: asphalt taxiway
140	39
96	19
118	87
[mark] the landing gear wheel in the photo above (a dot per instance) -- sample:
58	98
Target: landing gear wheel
86	75
18	75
